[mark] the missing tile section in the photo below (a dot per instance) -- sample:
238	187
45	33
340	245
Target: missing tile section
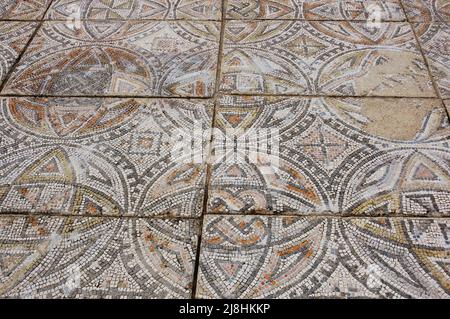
55	257
342	156
351	10
427	10
323	58
435	42
285	257
23	9
100	157
101	58
136	9
13	38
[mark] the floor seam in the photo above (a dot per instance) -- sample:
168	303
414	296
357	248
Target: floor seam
210	150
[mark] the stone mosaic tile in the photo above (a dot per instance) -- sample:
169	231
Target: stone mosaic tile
147	58
323	57
376	10
427	10
55	257
23	9
435	42
447	105
99	157
136	9
285	257
13	38
341	156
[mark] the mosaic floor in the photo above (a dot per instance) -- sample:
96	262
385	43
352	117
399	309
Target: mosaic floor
224	149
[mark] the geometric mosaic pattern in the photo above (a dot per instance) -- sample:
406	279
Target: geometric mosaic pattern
136	9
55	257
353	156
390	10
290	257
23	9
13	38
332	58
434	39
119	58
98	157
427	10
224	149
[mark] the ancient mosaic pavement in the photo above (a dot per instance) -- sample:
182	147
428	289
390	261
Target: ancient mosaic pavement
23	9
356	156
224	149
389	10
119	58
427	10
323	57
136	9
434	39
56	257
13	38
289	257
99	156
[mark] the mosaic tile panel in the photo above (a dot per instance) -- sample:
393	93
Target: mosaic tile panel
323	57
342	156
376	10
285	257
54	257
98	157
427	10
13	38
23	9
435	42
145	58
136	9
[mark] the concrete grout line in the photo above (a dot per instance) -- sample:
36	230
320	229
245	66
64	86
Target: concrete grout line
62	215
220	93
46	10
201	20
231	215
209	167
447	110
330	216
